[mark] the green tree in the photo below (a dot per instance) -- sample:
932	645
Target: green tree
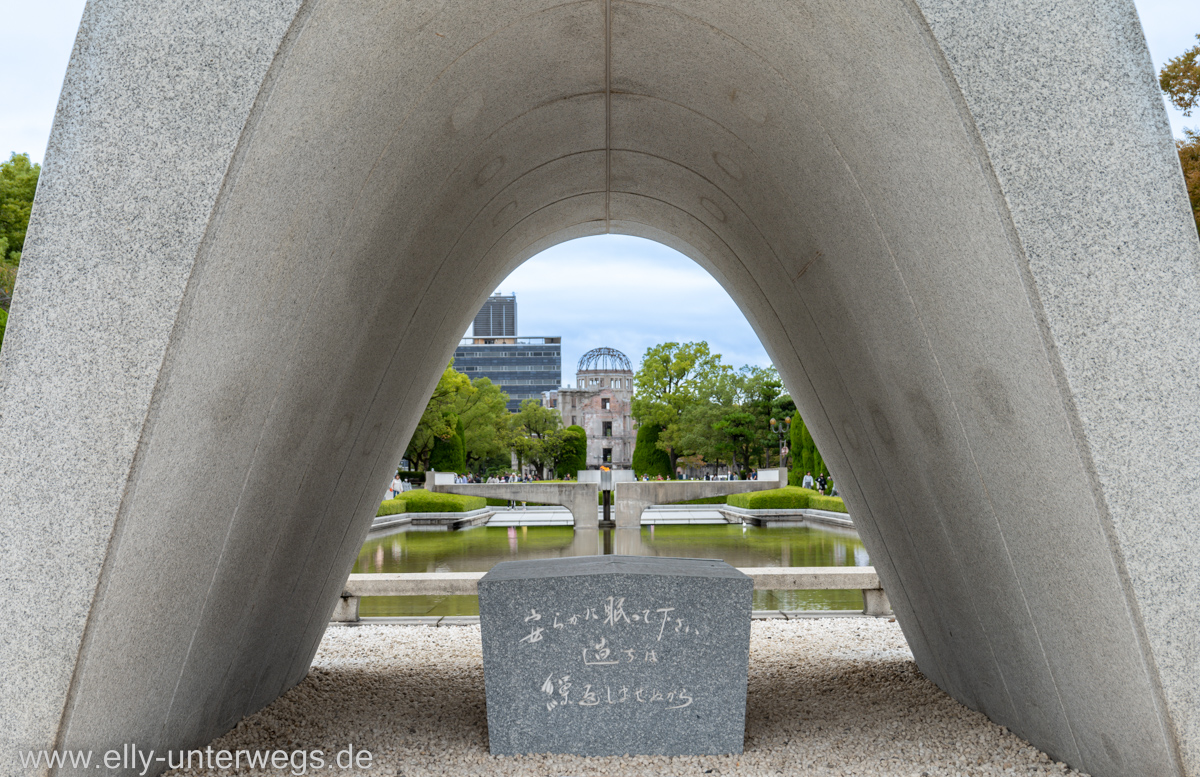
668	383
1180	81
538	437
805	456
731	419
480	406
18	182
763	396
436	422
795	445
1189	160
448	453
648	458
574	452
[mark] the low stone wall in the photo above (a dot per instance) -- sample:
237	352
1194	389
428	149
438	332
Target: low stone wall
771	519
434	521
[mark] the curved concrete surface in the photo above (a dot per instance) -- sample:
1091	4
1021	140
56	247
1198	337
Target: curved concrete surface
958	227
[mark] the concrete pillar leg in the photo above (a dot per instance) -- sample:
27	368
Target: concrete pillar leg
584	512
629	512
346	610
875	602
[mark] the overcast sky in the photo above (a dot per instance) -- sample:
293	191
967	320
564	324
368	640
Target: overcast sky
665	296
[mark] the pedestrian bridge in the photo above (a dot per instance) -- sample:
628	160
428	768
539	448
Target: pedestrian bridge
958	227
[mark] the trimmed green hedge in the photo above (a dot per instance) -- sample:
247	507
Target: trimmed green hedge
422	501
788	498
391	507
831	503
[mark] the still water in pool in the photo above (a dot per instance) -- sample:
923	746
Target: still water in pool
478	550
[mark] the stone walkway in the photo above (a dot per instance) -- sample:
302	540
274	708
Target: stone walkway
838	696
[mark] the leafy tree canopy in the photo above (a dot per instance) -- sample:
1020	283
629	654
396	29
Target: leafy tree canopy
1180	81
648	458
448	454
731	422
574	452
478	406
1189	159
672	377
481	411
18	182
538	437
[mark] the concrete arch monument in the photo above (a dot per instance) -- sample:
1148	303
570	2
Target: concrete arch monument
958	227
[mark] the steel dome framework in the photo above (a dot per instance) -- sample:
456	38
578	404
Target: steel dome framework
604	360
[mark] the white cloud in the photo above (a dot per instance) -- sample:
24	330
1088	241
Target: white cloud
630	294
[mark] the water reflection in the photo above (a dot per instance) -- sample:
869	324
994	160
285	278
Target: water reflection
478	550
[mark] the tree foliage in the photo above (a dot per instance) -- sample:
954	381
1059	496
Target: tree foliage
805	456
1180	81
476	406
667	383
538	437
703	411
648	458
484	417
18	182
731	420
448	454
1189	160
574	452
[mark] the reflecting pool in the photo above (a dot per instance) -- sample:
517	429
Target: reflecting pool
478	550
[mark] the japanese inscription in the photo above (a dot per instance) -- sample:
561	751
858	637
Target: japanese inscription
633	660
598	651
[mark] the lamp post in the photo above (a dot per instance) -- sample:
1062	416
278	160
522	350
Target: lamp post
782	430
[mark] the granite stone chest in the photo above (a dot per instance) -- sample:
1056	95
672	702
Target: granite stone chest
609	655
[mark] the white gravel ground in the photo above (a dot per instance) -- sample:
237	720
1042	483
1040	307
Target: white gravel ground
826	697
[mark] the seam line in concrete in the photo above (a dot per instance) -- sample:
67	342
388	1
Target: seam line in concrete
608	116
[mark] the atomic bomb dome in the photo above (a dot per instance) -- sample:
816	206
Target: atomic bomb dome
604	360
600	404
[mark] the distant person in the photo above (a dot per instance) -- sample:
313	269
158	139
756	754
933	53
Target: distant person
832	487
808	480
397	486
821	484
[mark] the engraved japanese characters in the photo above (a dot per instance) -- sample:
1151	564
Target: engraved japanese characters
607	655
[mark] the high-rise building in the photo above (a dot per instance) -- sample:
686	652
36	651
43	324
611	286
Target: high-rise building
497	317
523	367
